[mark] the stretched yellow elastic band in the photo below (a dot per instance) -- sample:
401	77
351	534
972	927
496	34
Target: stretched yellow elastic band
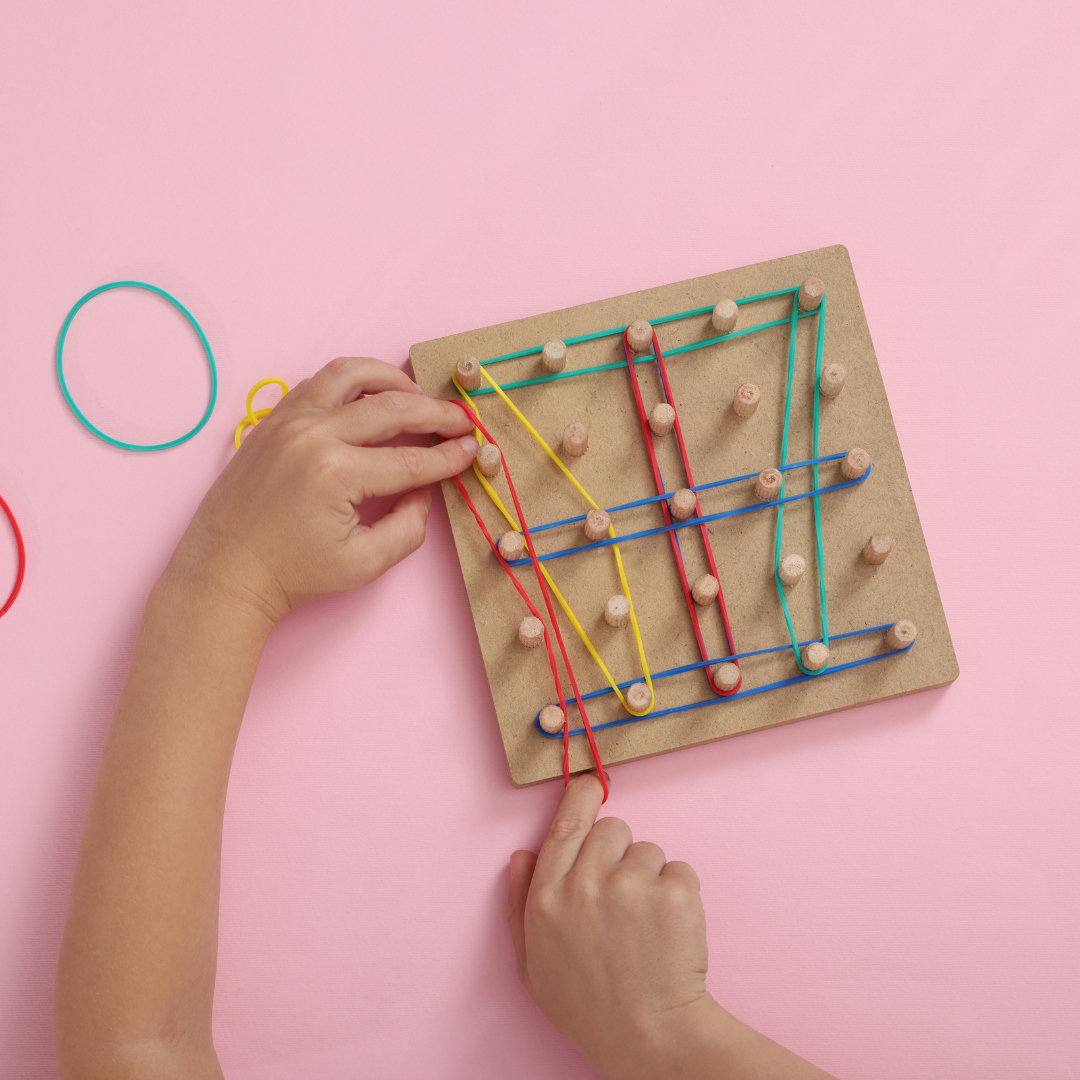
554	588
253	418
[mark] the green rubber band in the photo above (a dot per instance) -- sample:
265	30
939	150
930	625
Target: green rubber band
198	330
820	312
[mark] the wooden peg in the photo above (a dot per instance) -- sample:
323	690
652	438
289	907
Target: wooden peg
639	336
575	439
810	294
877	549
553	356
597	524
726	677
468	373
768	484
531	632
792	567
901	634
511	545
639	697
705	590
489	460
724	316
855	464
617	610
746	399
662	419
833	377
815	656
552	719
683	504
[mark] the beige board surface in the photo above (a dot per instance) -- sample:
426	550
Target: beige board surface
719	444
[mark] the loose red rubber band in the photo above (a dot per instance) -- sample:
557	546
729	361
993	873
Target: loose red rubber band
551	612
21	548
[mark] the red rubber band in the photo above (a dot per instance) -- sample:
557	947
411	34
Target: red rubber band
21	573
550	608
647	431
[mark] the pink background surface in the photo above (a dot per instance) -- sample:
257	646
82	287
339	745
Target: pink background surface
893	891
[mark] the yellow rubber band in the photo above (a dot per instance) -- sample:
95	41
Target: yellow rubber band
253	418
543	569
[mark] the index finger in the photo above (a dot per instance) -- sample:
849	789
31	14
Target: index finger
572	822
380	417
346	378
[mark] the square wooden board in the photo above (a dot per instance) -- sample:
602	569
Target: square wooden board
719	444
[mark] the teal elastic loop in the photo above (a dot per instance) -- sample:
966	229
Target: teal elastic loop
198	330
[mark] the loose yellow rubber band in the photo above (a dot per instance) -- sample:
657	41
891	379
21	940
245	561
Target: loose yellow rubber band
554	588
253	418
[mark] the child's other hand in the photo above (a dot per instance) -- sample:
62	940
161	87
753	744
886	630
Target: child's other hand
280	526
610	939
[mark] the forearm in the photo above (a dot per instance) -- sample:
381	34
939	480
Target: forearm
138	959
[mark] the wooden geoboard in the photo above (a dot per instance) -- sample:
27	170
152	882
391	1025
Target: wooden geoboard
720	445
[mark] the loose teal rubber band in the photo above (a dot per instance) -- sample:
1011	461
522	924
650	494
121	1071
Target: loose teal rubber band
198	330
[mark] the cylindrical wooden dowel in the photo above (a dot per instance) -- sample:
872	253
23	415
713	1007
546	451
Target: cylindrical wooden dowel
901	634
617	610
815	656
553	356
792	567
639	336
724	316
468	373
833	377
597	524
639	697
810	294
726	677
489	460
575	439
662	419
768	484
746	399
511	545
531	632
552	719
877	549
705	590
683	504
855	464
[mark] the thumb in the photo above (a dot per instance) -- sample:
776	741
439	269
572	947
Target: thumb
522	864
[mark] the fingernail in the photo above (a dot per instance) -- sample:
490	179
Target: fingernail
416	389
469	445
427	500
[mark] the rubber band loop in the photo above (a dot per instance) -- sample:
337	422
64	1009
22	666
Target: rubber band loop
253	418
71	401
21	548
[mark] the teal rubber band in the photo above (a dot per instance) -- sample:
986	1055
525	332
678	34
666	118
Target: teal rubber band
198	330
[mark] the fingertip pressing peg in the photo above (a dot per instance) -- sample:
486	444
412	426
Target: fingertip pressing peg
575	439
792	567
489	460
468	373
833	377
553	356
855	463
877	549
617	610
768	485
724	316
746	399
810	294
530	632
552	719
662	419
639	336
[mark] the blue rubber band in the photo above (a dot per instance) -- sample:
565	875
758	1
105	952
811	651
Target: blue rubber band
198	330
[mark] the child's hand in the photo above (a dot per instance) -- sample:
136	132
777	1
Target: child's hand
610	939
280	526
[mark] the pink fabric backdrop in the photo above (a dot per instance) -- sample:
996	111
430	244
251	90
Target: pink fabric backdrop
891	891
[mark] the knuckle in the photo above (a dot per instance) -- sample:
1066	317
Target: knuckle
412	461
567	827
342	365
393	402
